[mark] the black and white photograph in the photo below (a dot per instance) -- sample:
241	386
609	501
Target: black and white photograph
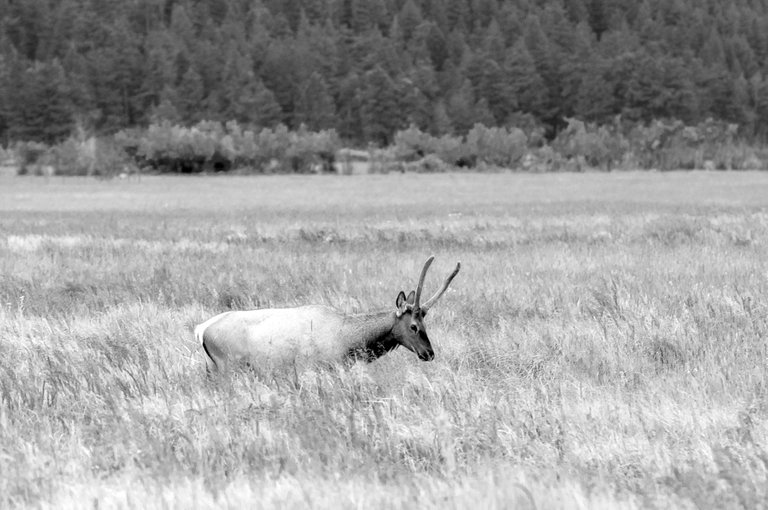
384	254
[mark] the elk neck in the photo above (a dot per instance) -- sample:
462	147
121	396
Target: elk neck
369	336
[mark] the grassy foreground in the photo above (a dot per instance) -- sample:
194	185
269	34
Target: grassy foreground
604	346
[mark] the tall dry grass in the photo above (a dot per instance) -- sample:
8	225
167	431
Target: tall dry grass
604	345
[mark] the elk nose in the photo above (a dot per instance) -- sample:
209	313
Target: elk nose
428	355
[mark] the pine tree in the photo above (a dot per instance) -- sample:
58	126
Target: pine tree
491	82
160	72
441	122
409	18
181	26
527	86
464	111
595	100
436	46
362	16
597	13
725	99
293	12
116	77
457	13
745	115
494	46
316	50
348	107
124	62
577	11
680	97
759	86
644	25
420	91
244	97
314	105
538	45
436	12
265	111
713	52
741	54
166	109
573	68
190	95
38	106
279	75
485	11
75	66
456	47
380	112
510	22
642	95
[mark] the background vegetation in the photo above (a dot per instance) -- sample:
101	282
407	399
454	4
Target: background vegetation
368	68
231	147
603	346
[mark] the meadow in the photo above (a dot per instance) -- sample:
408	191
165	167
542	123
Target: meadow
605	344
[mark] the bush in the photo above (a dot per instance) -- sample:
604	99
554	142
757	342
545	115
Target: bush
212	146
102	157
71	160
453	151
541	160
591	145
428	164
412	144
31	155
496	146
312	151
671	145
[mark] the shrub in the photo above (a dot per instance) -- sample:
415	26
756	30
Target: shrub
453	151
412	144
383	161
428	164
69	158
312	151
591	145
31	155
111	159
102	157
216	146
212	145
497	146
541	160
670	145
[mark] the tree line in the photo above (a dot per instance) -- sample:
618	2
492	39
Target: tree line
369	68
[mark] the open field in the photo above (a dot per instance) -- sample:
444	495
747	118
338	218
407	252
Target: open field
604	346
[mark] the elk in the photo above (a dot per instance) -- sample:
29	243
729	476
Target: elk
273	337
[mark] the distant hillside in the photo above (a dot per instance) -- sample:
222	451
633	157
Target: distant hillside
371	67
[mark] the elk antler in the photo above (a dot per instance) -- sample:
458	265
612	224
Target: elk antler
421	282
440	292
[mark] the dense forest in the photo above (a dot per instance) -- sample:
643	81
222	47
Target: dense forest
368	68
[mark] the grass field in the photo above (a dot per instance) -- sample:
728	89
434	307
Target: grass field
604	346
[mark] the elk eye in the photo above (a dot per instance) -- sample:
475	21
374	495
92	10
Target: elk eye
414	328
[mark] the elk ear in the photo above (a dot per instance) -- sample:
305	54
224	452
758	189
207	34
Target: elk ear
411	298
400	300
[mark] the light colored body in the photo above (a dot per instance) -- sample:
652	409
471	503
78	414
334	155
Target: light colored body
276	337
284	336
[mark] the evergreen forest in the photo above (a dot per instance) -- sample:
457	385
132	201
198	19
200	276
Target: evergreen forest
368	68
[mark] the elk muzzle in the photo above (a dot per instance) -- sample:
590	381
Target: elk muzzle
424	348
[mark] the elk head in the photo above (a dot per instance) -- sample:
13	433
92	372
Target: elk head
409	329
